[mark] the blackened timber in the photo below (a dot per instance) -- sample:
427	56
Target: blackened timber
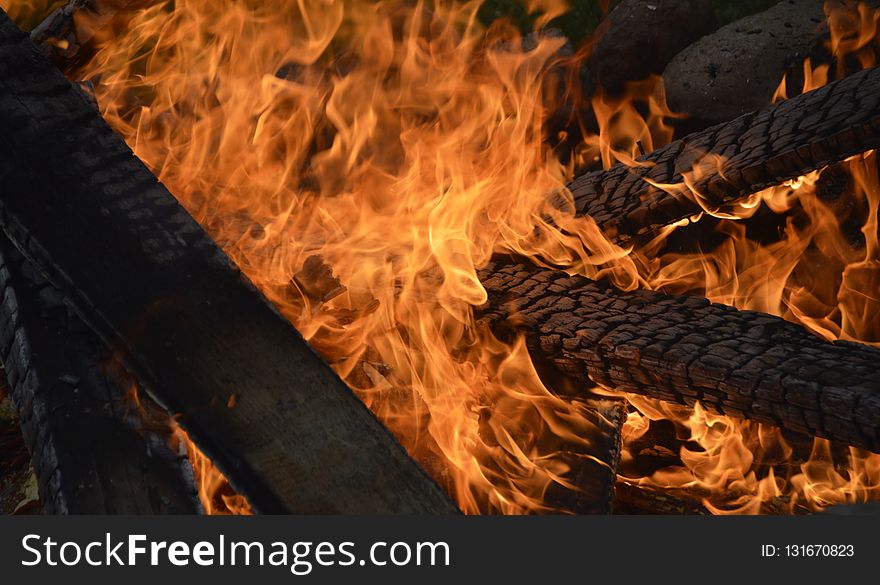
632	498
735	159
593	467
282	426
685	349
91	449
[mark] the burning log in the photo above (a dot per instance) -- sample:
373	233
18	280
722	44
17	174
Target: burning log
202	341
730	161
593	469
58	36
686	349
88	454
57	31
631	498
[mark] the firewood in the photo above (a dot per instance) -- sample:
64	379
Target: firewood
735	159
57	32
592	468
57	35
632	498
685	349
157	289
90	451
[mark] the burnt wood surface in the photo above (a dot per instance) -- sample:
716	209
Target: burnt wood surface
592	467
686	349
282	426
91	451
758	150
631	498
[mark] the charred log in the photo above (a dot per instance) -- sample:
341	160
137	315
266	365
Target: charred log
686	349
57	32
282	426
90	450
60	38
730	161
593	469
631	498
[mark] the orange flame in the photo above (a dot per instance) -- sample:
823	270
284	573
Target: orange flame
820	272
215	493
400	146
360	160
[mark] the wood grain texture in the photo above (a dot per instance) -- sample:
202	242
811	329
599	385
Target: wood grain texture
155	287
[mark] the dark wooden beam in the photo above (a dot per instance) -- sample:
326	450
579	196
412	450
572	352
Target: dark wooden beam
155	287
92	450
632	498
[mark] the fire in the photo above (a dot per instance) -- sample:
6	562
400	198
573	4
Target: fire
361	160
830	222
215	493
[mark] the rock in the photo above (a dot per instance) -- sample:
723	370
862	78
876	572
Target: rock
737	68
639	37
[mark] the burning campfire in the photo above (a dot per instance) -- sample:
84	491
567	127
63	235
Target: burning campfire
509	266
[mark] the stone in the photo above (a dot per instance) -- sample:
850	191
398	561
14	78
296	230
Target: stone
639	37
737	68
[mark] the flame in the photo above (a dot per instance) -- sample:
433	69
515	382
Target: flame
360	160
28	13
215	493
821	272
214	490
547	10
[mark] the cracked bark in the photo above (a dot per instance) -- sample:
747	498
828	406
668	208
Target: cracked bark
758	150
686	349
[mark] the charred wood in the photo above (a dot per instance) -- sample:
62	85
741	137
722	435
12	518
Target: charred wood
57	32
632	498
281	425
593	469
730	161
60	39
686	349
90	452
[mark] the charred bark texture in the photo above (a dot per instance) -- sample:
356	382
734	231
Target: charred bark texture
592	468
686	349
631	498
757	150
91	451
282	426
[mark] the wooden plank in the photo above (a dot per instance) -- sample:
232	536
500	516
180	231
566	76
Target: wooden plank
145	276
91	450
